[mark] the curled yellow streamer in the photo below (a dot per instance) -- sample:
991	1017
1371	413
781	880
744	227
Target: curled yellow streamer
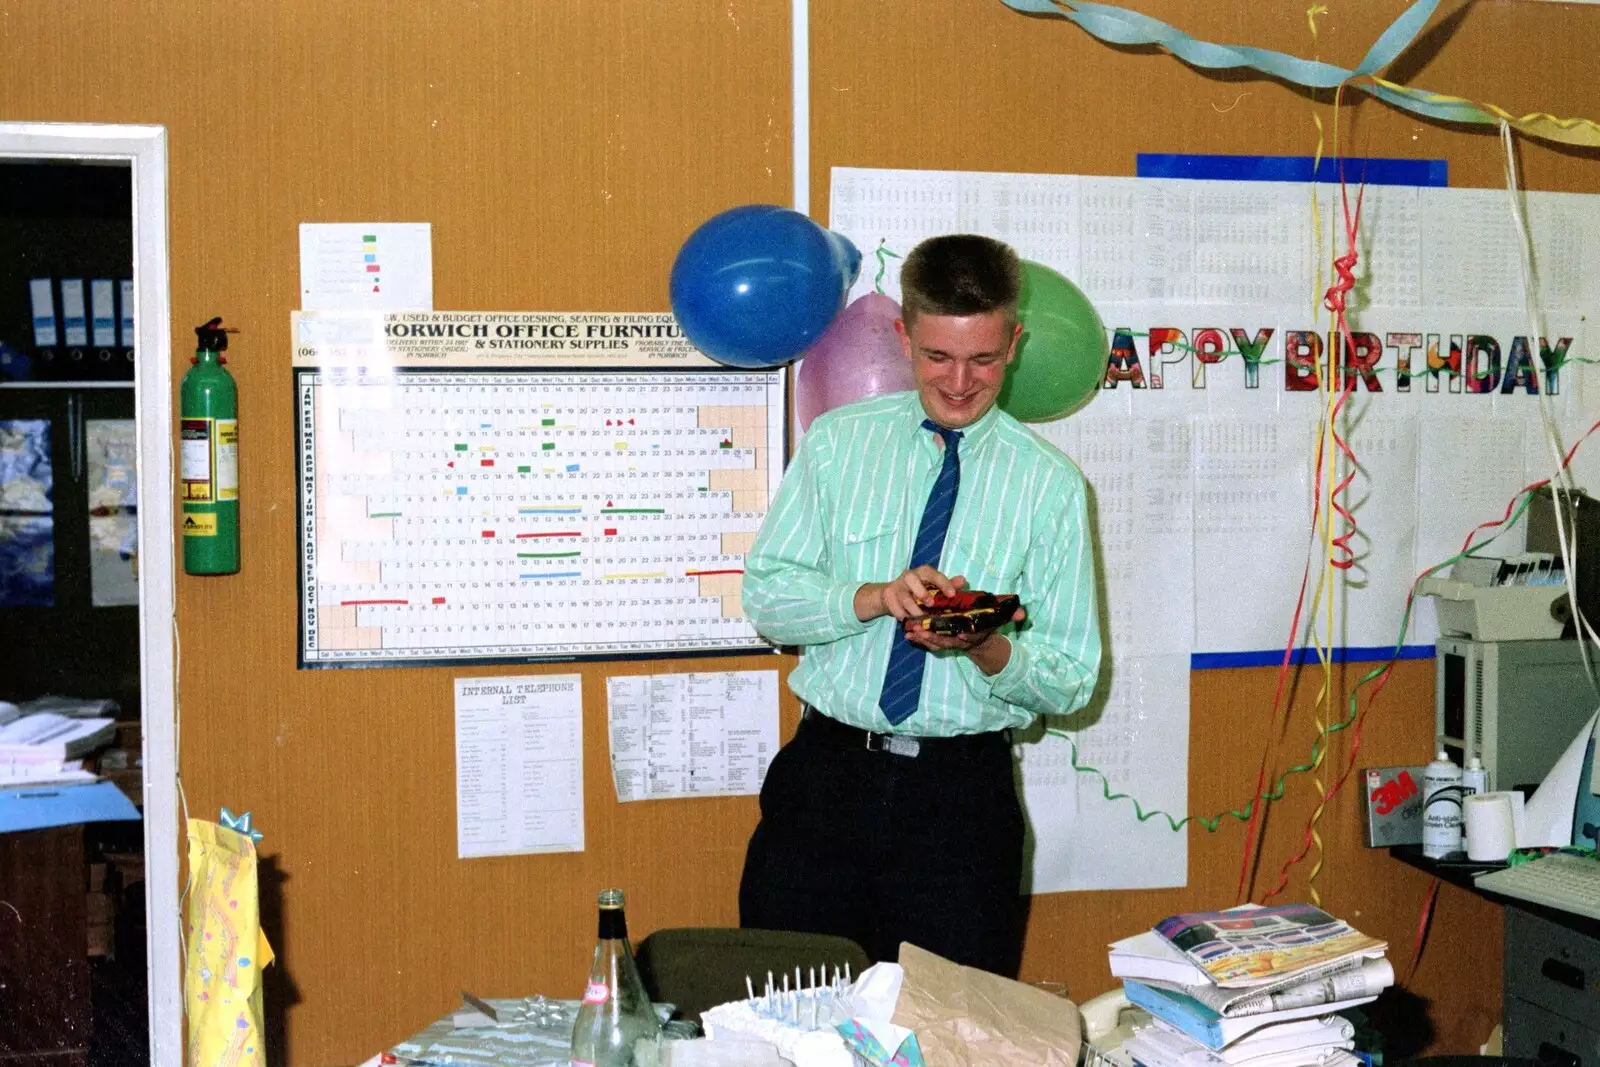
1546	127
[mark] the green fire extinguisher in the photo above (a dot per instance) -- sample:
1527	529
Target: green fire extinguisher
208	458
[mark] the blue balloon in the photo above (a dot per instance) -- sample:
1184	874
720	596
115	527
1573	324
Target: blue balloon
758	285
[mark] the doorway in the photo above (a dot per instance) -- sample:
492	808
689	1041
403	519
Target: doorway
86	584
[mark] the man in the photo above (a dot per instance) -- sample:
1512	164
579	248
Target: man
893	815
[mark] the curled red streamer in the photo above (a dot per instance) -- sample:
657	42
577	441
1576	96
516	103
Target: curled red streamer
1259	802
1383	676
1341	555
1333	300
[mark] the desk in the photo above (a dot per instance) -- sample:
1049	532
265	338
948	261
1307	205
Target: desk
533	1032
1550	1002
44	964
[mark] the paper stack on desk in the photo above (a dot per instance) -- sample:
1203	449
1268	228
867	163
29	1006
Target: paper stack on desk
1325	1042
1248	985
43	772
42	749
43	782
71	707
48	737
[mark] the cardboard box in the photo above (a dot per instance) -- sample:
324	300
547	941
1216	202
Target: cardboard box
1391	806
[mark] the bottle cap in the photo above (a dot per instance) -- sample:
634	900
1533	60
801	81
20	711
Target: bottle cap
611	898
1443	756
1474	764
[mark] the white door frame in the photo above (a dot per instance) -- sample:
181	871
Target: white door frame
144	148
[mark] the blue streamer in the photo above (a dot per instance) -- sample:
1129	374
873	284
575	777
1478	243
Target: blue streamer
1118	26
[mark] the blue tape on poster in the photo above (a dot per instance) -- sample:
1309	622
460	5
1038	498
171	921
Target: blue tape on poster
35	809
1199	661
1427	172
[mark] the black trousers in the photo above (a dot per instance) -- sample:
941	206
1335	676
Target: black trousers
882	848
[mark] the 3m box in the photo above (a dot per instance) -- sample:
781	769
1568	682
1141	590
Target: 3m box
1392	806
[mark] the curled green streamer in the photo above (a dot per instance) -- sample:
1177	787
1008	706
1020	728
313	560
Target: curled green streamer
1212	822
884	255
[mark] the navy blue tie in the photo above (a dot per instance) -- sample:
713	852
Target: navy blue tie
902	682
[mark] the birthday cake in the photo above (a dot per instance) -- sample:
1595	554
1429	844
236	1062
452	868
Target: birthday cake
800	1024
800	1046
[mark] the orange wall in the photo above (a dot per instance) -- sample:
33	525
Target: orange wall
562	150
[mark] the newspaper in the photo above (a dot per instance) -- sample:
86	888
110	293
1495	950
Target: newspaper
1255	946
1351	979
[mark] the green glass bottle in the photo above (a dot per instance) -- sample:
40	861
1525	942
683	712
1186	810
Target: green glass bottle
208	458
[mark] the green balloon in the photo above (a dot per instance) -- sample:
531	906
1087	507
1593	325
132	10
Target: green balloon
1061	355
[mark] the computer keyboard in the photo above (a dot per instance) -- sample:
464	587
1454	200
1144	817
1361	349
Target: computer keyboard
1570	883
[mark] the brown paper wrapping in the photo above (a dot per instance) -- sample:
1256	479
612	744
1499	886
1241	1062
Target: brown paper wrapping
965	1017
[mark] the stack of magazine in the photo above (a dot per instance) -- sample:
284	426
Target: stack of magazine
1249	987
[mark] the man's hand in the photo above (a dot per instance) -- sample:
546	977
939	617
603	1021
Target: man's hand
901	597
989	651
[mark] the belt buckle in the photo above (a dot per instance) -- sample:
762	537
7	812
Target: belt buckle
895	745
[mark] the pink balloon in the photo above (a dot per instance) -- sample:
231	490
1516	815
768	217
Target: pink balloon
859	357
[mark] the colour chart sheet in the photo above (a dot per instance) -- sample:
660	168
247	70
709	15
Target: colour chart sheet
586	489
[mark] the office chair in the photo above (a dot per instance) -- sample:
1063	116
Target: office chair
698	968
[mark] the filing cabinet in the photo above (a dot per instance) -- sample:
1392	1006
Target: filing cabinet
1552	992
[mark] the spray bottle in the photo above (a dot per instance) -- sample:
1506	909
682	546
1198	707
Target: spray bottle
208	458
1441	807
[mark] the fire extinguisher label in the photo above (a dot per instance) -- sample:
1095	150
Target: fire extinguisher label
227	459
194	461
200	524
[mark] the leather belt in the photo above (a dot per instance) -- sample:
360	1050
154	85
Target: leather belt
817	724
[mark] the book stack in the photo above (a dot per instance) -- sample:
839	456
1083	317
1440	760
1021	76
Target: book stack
46	748
1249	987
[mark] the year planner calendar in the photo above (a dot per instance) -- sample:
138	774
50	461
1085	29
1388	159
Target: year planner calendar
480	487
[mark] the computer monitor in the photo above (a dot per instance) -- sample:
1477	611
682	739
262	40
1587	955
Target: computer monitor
1518	704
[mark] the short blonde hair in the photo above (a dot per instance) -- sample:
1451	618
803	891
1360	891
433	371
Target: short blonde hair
960	274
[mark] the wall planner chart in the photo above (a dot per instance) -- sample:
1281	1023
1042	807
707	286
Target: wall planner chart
1200	446
481	487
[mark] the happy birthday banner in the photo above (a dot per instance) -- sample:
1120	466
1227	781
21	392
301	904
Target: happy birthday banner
1432	362
1200	444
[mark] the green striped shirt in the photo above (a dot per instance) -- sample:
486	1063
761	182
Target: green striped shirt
847	513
